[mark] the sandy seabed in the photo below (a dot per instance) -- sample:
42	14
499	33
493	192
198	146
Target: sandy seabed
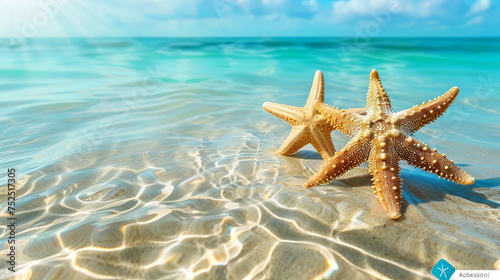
205	211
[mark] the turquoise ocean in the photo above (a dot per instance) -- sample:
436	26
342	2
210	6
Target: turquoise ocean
152	158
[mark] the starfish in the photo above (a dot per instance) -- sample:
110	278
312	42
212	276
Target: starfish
309	127
383	138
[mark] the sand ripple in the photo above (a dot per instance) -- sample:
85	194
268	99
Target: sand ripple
239	212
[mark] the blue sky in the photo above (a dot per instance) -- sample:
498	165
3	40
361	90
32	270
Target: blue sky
192	18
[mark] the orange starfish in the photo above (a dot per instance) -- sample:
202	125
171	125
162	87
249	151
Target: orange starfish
308	125
384	138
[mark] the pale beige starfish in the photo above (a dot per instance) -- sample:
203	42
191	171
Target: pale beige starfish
308	125
384	138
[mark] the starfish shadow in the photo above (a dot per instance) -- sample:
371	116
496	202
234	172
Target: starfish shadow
306	155
356	181
424	188
363	181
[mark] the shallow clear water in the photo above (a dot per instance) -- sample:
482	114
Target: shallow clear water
153	158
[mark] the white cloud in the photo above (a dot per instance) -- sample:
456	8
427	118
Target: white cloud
426	8
358	7
271	16
350	9
312	4
272	2
475	20
479	6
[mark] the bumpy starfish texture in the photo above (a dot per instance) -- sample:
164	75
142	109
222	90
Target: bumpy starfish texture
384	137
308	125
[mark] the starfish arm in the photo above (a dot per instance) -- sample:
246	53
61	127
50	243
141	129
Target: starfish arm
294	141
317	93
384	166
322	141
353	154
413	119
420	155
343	120
290	114
359	111
377	99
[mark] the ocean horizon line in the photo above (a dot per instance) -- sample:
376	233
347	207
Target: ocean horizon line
260	37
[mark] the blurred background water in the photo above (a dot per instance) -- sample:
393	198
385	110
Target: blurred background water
153	158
